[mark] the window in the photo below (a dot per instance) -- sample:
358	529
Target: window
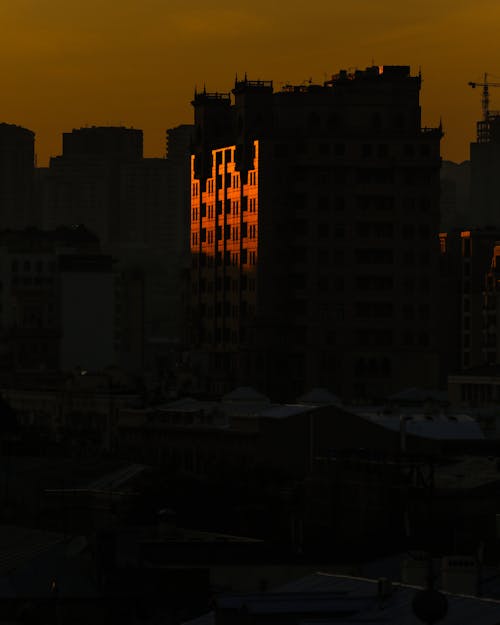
339	203
374	256
323	230
366	150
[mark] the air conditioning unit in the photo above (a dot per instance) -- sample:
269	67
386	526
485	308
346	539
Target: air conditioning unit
460	575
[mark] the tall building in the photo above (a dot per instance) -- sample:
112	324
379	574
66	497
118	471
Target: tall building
83	185
455	196
179	140
485	170
17	163
57	306
314	236
466	261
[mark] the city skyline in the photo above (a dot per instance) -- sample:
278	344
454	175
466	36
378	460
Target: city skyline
64	68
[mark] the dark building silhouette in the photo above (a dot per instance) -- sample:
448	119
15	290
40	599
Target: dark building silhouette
83	185
138	207
314	223
57	301
17	162
485	169
179	140
455	196
466	261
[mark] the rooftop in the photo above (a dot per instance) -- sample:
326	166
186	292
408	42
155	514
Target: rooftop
346	599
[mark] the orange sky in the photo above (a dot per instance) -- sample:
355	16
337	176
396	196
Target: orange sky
66	64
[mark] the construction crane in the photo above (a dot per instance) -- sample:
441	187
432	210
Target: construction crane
485	100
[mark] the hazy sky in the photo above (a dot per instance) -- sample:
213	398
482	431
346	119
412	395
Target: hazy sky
65	64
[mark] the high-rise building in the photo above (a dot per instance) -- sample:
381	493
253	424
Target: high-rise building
139	209
17	163
466	261
455	196
179	140
57	306
314	236
83	185
484	171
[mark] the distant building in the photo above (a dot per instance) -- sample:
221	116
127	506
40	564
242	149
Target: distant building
245	429
485	168
17	163
79	407
83	186
57	301
314	236
466	260
139	209
89	337
455	196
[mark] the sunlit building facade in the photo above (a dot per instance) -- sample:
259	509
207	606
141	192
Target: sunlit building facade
314	236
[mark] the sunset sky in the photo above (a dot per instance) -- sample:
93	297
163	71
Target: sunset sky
66	64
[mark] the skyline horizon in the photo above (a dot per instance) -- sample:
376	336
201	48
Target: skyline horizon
66	66
155	137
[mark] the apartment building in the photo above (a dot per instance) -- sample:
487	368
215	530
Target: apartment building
314	236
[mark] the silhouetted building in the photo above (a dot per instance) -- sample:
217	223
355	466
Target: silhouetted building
89	336
455	196
179	140
314	236
466	260
83	185
139	210
57	301
17	162
78	407
485	169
